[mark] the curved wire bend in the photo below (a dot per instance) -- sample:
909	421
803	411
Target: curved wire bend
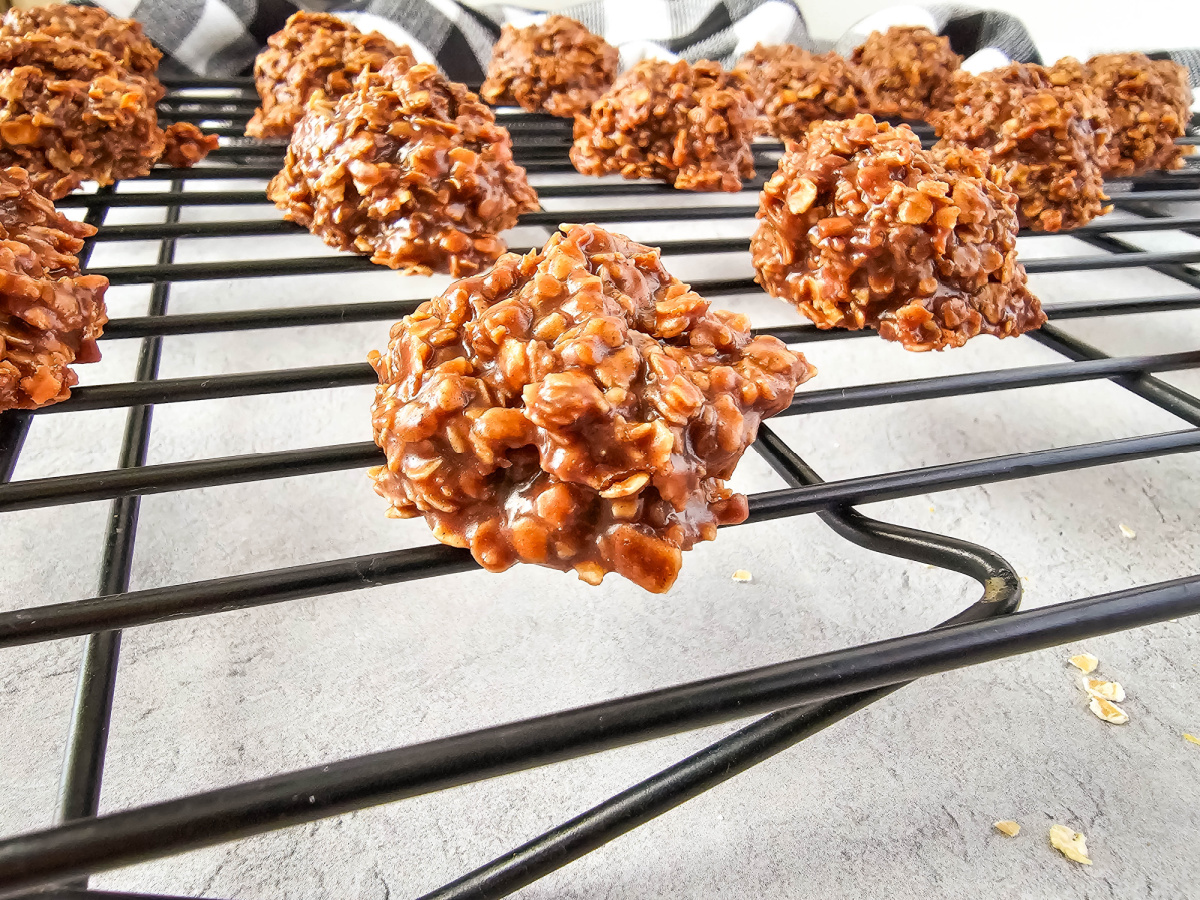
771	734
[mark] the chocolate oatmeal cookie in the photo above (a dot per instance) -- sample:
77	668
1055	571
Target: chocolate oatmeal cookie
313	52
577	408
555	66
862	228
409	168
906	71
688	125
50	314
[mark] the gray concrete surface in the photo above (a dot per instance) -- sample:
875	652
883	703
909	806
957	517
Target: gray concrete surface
897	801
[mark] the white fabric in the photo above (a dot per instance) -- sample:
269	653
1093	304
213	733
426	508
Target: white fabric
218	27
633	52
122	8
635	20
521	18
768	19
390	30
985	60
896	15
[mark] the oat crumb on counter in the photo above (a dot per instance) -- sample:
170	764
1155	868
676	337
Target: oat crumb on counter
1071	844
1085	663
1105	690
1108	711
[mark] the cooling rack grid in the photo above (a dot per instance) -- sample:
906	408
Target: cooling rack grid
796	698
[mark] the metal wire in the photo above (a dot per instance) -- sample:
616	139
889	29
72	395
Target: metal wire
800	697
87	741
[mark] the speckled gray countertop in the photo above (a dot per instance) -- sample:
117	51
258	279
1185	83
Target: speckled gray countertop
897	801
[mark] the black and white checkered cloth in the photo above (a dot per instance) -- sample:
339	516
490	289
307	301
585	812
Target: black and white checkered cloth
989	33
1188	58
222	37
720	30
206	37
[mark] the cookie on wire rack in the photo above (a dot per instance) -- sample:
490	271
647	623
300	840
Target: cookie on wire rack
862	228
408	168
578	408
555	66
50	314
688	125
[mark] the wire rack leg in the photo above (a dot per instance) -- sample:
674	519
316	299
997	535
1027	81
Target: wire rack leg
14	425
87	740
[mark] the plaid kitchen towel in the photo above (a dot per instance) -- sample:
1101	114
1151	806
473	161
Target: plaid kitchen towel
1188	58
987	38
222	37
720	30
205	37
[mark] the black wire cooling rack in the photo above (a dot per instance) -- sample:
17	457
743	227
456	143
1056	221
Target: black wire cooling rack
798	698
